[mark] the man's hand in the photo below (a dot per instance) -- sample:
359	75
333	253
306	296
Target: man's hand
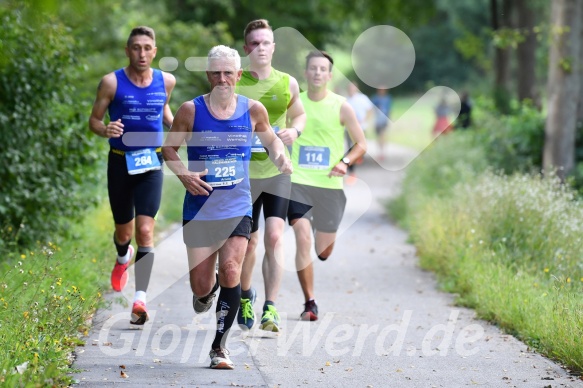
113	129
284	164
194	184
288	135
338	170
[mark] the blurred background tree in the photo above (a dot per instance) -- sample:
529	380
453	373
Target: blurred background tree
54	54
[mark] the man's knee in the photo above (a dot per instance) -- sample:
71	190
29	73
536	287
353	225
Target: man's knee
145	233
123	236
202	286
252	244
272	238
230	273
123	232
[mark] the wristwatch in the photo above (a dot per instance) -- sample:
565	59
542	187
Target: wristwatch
297	131
346	161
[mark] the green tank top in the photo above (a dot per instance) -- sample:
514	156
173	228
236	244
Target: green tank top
273	92
321	145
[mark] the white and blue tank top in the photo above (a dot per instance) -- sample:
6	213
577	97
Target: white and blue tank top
224	148
141	110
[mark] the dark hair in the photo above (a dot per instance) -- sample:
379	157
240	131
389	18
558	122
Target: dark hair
255	25
319	54
142	30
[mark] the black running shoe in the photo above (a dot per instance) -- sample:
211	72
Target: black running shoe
310	311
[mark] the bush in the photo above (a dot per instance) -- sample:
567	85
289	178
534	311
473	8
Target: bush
514	142
49	152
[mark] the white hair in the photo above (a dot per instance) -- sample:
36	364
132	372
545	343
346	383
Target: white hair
222	51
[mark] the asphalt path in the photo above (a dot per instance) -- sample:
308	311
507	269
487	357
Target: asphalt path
383	321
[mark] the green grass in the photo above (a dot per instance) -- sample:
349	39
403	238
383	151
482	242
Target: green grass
412	124
48	294
412	119
509	246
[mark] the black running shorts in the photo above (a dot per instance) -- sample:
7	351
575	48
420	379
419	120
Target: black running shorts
271	194
131	195
323	207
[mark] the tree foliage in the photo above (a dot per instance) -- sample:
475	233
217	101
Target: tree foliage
49	159
315	19
321	21
52	65
189	43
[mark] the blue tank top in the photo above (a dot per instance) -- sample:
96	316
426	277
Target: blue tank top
140	110
224	148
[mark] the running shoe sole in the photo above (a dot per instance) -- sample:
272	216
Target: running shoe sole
309	316
139	314
118	284
270	326
220	360
223	365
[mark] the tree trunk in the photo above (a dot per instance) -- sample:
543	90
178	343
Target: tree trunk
526	75
563	86
501	19
580	109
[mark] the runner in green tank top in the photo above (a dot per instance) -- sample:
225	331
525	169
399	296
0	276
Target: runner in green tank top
279	92
317	198
274	93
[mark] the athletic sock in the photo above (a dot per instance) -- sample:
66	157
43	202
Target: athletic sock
140	296
227	307
246	294
122	250
143	267
267	303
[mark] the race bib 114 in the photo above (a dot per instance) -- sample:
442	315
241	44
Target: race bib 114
316	158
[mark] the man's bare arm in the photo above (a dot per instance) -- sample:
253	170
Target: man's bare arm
270	141
296	116
169	83
179	133
105	94
348	119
